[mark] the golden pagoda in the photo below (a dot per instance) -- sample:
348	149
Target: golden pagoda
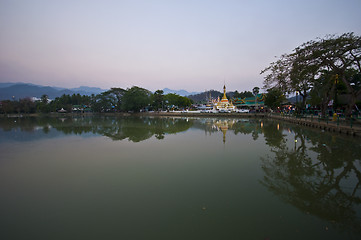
224	104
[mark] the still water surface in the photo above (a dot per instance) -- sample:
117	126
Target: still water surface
176	178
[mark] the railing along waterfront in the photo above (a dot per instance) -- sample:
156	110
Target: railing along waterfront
335	123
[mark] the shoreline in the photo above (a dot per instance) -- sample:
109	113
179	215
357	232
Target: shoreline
160	114
331	126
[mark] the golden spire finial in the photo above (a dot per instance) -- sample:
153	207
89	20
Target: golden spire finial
224	92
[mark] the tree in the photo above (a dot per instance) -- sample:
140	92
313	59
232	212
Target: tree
278	74
27	105
255	91
305	67
104	102
338	55
341	54
274	98
242	94
8	106
43	104
158	99
44	99
322	92
136	98
302	76
173	99
291	73
117	95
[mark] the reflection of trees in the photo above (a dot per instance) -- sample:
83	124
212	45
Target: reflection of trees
272	135
243	126
135	129
317	174
23	124
248	127
139	129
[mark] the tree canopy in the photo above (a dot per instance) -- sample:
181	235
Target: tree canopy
274	98
136	98
318	65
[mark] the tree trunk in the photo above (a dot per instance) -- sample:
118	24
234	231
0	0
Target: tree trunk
350	105
304	98
326	99
324	106
353	97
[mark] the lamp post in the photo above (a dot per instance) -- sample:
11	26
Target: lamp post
335	101
296	101
256	103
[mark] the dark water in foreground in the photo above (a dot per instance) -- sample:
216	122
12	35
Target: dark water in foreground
176	178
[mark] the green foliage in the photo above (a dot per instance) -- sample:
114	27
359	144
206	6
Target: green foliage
315	68
67	102
25	105
44	99
274	98
115	95
204	96
255	91
158	99
242	94
103	102
7	106
136	98
173	99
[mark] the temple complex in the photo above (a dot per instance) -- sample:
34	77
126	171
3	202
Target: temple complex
224	104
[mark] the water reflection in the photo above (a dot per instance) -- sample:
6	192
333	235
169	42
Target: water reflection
317	173
134	129
243	126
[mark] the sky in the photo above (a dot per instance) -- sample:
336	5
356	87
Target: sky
187	44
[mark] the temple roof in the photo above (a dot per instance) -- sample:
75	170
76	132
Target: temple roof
250	101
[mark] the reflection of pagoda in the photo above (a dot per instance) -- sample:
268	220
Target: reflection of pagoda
224	104
223	126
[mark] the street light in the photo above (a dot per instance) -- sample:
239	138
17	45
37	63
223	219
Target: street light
335	101
296	100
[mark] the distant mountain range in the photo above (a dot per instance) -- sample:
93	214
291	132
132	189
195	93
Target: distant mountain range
181	92
22	90
204	96
213	94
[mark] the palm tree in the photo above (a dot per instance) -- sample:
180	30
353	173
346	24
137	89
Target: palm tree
255	91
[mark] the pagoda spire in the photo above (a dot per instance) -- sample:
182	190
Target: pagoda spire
224	92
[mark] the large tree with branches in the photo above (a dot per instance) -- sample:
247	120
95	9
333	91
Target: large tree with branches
306	66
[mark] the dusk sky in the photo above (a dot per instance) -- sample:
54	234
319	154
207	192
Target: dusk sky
193	45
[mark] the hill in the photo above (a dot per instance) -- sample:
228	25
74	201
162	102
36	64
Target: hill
204	96
22	90
181	92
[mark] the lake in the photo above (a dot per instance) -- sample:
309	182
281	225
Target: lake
176	178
